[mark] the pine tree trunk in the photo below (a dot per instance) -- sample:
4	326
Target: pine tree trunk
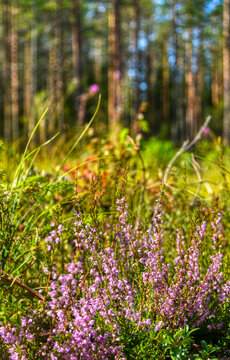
151	80
165	84
111	70
33	111
98	60
181	92
136	19
214	74
220	81
14	73
59	65
76	49
199	86
7	70
215	95
27	84
190	89
175	132
181	98
98	55
51	89
226	71
115	66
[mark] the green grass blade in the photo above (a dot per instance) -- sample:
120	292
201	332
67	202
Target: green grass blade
19	168
32	134
213	162
78	166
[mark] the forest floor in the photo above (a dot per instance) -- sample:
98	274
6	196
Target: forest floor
104	257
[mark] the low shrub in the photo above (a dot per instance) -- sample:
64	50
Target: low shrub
119	293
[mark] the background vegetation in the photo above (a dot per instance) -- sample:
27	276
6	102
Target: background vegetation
161	66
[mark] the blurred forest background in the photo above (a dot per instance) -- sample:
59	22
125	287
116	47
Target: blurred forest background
161	66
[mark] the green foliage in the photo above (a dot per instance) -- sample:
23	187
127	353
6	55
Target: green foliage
207	350
32	198
177	344
139	344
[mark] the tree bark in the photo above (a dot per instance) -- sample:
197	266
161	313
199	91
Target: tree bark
115	70
215	78
14	72
181	93
151	80
33	111
226	71
98	60
190	89
59	65
98	55
175	131
199	85
76	50
27	83
165	84
7	70
52	91
136	18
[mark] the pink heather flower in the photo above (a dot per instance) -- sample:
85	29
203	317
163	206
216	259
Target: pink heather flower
93	89
158	326
206	131
117	74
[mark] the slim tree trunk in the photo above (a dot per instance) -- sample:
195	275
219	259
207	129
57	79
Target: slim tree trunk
220	78
27	82
214	87
7	69
136	66
217	75
59	66
151	80
182	101
198	102
76	49
111	49
33	112
199	85
51	89
175	131
98	60
190	88
136	19
215	78
165	84
115	70
14	72
226	71
98	55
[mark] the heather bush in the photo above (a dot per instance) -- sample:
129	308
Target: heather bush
132	278
119	293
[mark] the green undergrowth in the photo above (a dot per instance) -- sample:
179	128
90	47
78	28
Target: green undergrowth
34	194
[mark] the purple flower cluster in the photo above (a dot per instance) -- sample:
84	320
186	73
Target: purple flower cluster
54	237
184	293
69	325
120	280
